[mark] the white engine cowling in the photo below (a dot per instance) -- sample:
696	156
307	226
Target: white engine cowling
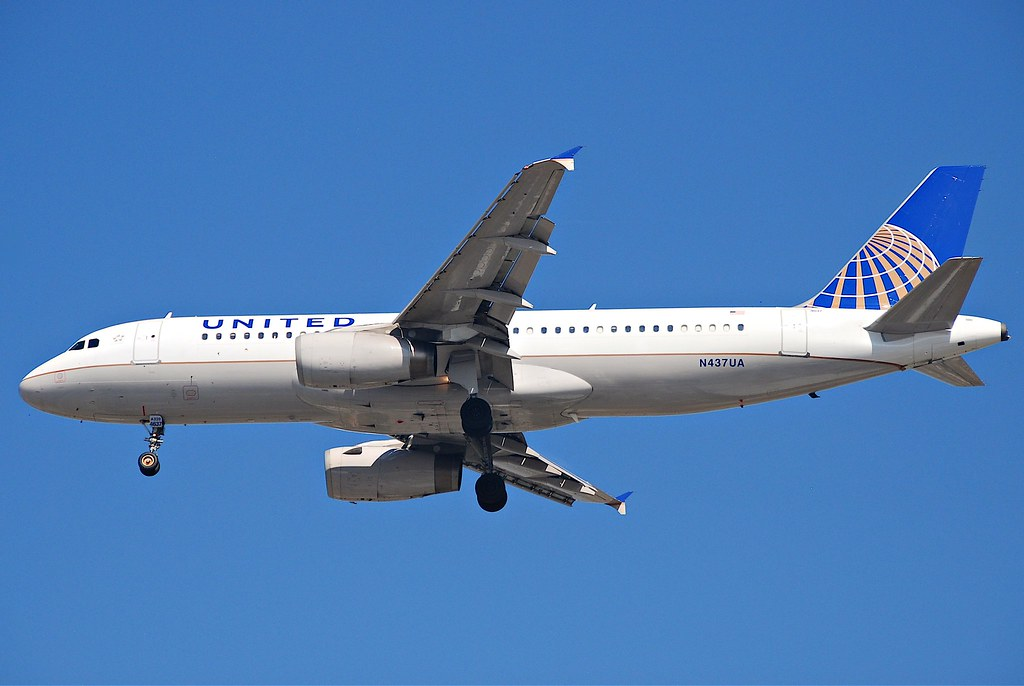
360	359
382	471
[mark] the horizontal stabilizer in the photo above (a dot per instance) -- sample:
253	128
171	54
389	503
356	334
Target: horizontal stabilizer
934	304
954	371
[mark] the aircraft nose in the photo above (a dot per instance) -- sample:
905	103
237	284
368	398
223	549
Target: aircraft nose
31	390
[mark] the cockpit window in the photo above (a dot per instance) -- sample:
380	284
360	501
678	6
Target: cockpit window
93	342
77	346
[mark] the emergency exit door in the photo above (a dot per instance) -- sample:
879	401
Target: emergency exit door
147	342
794	332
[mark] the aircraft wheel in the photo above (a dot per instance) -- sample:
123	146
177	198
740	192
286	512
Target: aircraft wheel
149	464
476	417
491	493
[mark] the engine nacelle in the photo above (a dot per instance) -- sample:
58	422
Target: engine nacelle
382	471
360	359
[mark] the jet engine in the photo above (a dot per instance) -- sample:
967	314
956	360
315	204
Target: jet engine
383	470
360	359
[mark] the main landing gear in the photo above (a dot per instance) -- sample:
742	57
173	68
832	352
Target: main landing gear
477	424
149	463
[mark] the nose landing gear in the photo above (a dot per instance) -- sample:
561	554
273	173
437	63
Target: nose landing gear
149	463
477	424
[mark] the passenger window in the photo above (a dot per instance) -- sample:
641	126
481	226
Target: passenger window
206	336
683	328
739	327
669	328
529	329
642	327
543	329
697	328
246	335
725	327
629	328
515	330
711	328
600	329
288	335
233	335
77	346
614	329
273	334
558	329
572	329
261	335
655	327
586	329
219	336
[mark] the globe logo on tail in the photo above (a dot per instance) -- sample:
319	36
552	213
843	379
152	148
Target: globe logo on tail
888	267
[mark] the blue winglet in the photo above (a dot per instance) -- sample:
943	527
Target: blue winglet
620	502
565	159
568	154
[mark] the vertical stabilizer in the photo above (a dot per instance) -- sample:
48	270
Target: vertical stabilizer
927	229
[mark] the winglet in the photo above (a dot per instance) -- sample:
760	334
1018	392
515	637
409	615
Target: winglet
565	159
620	502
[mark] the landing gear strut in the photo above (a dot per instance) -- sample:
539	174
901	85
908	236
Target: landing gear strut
477	424
149	463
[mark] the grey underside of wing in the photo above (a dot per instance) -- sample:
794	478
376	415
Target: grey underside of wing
524	468
496	259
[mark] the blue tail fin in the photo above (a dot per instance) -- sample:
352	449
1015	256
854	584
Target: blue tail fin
926	230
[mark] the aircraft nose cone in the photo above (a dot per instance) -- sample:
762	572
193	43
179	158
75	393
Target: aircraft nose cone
31	390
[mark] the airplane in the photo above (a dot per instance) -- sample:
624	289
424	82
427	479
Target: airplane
458	377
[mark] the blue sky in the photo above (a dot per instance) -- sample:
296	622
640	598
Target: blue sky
212	158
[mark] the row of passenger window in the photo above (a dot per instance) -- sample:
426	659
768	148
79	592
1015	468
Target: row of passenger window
247	335
683	328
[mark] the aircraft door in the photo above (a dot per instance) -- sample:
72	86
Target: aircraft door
147	342
794	332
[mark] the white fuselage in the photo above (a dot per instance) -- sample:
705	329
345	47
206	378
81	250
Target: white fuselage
573	364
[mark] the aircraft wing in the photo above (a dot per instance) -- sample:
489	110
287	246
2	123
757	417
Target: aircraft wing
523	467
471	298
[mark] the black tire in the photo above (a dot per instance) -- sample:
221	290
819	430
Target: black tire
491	493
149	464
476	418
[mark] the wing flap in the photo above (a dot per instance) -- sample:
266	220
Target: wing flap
525	468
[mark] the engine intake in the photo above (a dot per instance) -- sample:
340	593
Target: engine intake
360	359
383	471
